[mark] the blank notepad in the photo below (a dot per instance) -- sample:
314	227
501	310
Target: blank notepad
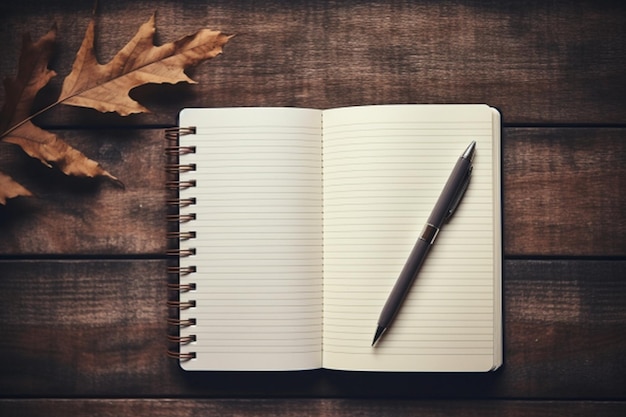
259	242
384	169
303	220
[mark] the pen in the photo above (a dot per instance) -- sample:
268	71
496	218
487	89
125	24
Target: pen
447	202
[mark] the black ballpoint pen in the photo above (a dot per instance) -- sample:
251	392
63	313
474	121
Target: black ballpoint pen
447	202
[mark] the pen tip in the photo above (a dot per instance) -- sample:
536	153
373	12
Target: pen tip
379	332
470	151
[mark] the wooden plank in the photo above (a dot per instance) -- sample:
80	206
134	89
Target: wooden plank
539	62
93	328
564	192
307	407
78	327
97	328
70	215
560	195
564	328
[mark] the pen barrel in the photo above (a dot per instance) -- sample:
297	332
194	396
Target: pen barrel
450	193
451	190
404	282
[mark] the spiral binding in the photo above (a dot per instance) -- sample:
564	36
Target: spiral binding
176	273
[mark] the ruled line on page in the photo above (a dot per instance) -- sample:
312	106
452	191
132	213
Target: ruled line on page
383	171
259	239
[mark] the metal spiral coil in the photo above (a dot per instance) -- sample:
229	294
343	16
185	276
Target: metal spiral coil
176	273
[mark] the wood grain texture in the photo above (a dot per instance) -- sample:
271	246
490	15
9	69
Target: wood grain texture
98	328
563	312
539	62
82	327
307	407
560	195
71	215
564	192
82	281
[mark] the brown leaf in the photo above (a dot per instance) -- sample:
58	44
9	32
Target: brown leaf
102	87
106	87
11	189
32	75
15	117
51	150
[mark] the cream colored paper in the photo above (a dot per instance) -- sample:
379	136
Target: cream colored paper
304	220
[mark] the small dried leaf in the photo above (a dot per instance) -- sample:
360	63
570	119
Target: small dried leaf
102	87
106	87
52	151
32	75
15	117
11	189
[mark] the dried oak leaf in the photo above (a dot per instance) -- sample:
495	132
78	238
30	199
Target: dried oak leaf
90	84
32	75
15	117
9	188
106	87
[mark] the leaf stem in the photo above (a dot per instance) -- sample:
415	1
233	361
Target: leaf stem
29	118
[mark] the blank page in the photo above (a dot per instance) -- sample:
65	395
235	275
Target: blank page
384	167
258	239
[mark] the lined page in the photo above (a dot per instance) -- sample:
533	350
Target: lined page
258	239
384	167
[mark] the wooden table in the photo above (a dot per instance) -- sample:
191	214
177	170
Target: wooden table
82	265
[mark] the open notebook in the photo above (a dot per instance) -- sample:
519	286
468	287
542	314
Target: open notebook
295	224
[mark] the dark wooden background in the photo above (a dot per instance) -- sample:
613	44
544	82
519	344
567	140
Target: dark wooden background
82	265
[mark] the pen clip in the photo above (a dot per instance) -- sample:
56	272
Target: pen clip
459	195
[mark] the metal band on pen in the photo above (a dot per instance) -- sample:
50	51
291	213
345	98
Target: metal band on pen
429	233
